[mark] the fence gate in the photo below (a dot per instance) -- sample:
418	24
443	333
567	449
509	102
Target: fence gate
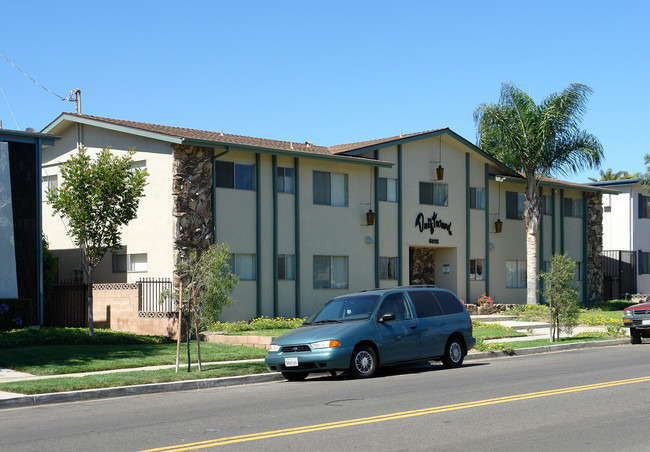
150	300
619	269
66	305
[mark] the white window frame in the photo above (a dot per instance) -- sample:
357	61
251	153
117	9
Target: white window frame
474	265
388	268
476	195
333	269
334	180
48	182
519	274
237	262
286	183
130	263
390	187
434	187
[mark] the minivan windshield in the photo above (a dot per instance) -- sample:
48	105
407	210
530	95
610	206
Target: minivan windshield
344	309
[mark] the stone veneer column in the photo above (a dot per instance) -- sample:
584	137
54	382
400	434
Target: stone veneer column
595	272
192	200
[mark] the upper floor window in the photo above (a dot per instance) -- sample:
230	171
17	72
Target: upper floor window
514	205
129	263
330	189
644	259
48	183
476	198
573	207
387	189
235	175
285	180
644	206
434	194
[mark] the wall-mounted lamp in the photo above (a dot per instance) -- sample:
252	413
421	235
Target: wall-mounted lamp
370	217
440	172
498	225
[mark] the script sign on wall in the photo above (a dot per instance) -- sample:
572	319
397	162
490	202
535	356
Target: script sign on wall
431	224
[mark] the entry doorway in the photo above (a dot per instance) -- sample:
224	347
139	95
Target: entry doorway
422	265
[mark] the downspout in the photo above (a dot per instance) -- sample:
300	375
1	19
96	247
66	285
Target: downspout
585	244
274	184
376	177
486	261
258	235
39	235
467	227
296	167
562	221
553	223
400	253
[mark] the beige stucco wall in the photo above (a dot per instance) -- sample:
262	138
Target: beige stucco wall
150	232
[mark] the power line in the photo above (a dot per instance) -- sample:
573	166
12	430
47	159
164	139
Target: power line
69	98
9	106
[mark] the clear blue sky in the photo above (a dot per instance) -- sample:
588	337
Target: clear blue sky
329	72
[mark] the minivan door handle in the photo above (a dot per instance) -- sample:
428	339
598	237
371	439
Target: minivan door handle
414	326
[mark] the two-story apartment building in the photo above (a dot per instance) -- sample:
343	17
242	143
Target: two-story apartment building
306	223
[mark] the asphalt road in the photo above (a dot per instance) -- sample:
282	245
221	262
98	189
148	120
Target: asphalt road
568	401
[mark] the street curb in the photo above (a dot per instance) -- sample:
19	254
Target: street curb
546	349
123	391
188	385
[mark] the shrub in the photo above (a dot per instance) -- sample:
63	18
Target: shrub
15	313
260	323
484	300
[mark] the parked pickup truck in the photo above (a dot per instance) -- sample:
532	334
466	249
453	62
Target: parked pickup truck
637	319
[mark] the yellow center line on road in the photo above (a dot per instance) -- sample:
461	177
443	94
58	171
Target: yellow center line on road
391	416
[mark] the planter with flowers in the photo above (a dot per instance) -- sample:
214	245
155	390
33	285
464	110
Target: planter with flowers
485	304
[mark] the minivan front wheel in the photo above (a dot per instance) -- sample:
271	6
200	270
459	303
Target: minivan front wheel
364	362
454	353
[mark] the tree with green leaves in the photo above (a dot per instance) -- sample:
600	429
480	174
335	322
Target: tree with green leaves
611	175
560	294
207	282
97	198
539	141
644	178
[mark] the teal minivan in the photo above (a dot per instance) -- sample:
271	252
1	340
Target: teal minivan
363	331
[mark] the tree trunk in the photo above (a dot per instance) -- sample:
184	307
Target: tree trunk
189	336
196	323
531	267
91	327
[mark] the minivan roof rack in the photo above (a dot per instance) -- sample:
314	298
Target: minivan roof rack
418	286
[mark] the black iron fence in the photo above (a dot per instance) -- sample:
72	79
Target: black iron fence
620	273
66	305
151	295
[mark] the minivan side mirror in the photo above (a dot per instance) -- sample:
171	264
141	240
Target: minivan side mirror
386	318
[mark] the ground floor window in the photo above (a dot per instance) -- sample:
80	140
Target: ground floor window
330	272
387	268
515	274
645	263
287	266
130	263
476	272
244	266
578	275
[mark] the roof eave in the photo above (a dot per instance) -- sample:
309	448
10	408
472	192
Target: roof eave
63	118
286	152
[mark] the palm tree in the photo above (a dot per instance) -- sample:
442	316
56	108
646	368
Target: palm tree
611	175
538	141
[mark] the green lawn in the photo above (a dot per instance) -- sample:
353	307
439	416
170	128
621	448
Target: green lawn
64	359
487	331
131	378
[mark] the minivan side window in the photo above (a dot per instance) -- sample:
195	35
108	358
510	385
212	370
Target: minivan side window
395	303
449	303
425	303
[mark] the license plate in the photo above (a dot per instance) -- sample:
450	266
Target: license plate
290	362
645	322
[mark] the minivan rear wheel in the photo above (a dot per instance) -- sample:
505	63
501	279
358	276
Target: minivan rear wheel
454	353
364	362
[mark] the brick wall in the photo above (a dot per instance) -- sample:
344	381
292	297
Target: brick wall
115	306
